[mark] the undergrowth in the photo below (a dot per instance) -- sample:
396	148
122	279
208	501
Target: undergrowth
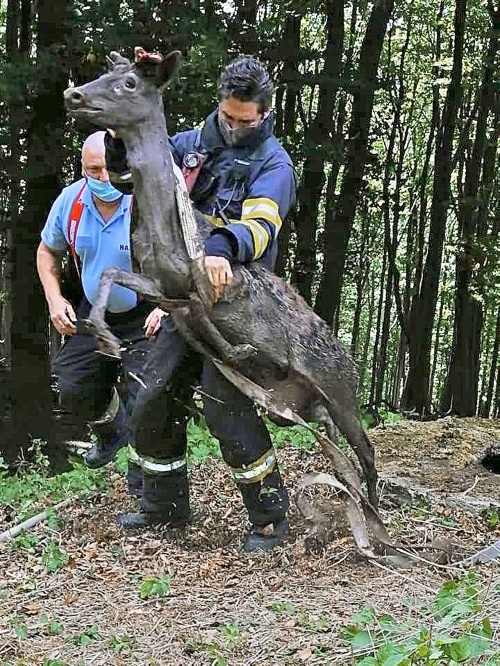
33	487
456	628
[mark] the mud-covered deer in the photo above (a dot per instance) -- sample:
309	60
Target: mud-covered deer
297	356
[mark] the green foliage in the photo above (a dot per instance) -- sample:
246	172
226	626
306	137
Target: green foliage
122	643
492	517
453	630
25	541
53	556
154	587
53	625
29	490
18	622
201	444
295	436
233	634
121	460
87	636
384	415
283	607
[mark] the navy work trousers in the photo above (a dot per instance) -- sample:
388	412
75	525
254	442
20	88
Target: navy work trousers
86	378
162	410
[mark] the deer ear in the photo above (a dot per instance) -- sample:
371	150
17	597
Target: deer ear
115	58
167	69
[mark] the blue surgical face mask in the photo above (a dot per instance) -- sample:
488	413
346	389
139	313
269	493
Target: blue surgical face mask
103	191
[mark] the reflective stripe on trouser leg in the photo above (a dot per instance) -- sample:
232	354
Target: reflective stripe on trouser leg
262	489
112	429
166	493
155	465
257	470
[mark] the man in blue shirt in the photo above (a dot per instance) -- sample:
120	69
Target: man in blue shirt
94	218
245	187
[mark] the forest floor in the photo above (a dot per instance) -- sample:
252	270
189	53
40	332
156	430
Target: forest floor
78	591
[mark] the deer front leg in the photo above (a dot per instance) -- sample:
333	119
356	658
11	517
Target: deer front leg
108	343
210	333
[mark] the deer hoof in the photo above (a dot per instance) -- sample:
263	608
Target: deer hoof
242	353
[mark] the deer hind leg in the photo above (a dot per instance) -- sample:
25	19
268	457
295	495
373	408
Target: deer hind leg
348	421
108	343
199	318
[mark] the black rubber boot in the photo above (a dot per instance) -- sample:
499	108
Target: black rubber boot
263	539
267	504
267	500
112	436
164	501
134	479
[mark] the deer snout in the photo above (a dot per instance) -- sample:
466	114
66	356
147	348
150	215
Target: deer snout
73	98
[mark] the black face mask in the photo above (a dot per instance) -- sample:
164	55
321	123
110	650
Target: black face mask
243	136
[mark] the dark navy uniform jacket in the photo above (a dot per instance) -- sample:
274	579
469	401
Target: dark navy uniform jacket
245	191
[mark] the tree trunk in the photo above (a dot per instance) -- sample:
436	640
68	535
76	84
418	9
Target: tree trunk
30	362
318	141
486	407
286	121
356	154
12	447
416	394
461	387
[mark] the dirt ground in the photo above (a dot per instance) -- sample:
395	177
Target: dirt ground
223	607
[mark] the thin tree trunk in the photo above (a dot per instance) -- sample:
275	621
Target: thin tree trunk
461	386
356	154
317	140
416	395
486	407
31	399
363	363
286	126
378	334
360	282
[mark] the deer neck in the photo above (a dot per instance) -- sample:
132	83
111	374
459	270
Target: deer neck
149	159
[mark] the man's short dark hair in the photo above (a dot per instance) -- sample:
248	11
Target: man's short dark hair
247	79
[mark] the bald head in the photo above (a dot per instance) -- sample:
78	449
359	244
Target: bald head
93	156
94	142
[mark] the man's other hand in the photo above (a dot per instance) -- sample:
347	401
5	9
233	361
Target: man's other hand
152	323
219	273
62	316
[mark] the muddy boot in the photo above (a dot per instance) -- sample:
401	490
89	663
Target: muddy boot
113	433
267	503
266	537
165	498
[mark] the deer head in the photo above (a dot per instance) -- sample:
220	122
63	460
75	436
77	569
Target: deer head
128	94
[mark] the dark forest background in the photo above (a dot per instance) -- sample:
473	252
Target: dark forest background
391	112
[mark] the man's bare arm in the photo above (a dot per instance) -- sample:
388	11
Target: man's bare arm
61	311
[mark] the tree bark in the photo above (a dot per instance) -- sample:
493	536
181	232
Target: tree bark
356	153
416	394
461	386
286	122
31	395
486	407
317	141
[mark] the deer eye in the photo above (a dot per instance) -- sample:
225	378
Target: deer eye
130	83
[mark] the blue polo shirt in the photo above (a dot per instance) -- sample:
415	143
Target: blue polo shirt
99	244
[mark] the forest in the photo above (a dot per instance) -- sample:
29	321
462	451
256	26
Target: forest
390	110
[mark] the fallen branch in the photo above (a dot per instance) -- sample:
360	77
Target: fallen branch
27	524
